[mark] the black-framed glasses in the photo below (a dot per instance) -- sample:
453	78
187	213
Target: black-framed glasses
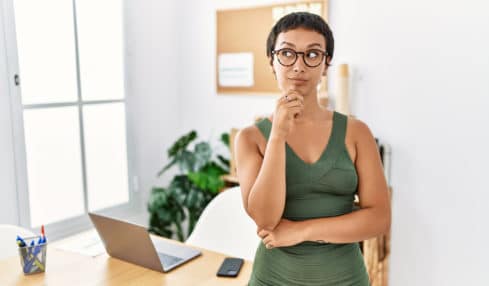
312	58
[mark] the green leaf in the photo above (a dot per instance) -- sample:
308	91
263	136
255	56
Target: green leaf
164	214
159	227
199	179
182	183
168	166
156	190
203	154
192	198
224	161
182	143
213	169
208	178
186	161
215	184
177	149
225	138
157	199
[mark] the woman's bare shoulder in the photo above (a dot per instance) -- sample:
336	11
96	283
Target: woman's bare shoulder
251	136
358	130
248	134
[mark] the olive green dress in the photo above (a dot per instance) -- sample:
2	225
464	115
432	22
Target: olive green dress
322	189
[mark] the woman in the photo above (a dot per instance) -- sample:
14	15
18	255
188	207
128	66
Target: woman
300	168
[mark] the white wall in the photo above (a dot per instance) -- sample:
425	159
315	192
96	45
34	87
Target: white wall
152	38
420	83
8	199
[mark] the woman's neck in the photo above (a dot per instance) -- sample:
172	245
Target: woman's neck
312	112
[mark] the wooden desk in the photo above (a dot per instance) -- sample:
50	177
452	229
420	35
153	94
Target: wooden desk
67	268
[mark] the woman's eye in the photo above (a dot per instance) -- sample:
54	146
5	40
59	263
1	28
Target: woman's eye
312	54
287	54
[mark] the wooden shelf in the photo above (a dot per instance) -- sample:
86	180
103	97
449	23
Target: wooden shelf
230	179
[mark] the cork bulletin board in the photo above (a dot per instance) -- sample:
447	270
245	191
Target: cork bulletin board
242	66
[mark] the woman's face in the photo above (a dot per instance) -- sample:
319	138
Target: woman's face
299	76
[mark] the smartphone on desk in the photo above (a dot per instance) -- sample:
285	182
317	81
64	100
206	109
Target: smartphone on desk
230	267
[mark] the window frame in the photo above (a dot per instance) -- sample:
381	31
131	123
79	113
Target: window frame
72	225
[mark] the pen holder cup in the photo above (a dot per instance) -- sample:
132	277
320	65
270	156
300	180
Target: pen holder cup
33	258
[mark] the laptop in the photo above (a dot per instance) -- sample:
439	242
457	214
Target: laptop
132	243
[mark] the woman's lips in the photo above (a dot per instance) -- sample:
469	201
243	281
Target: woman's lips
298	81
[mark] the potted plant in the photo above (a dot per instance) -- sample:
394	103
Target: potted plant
189	192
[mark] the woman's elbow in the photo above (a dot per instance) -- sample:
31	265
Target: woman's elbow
261	221
268	225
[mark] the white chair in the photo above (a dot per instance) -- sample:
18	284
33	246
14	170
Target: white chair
225	227
8	234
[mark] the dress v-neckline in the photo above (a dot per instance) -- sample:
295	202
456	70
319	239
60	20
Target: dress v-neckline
325	151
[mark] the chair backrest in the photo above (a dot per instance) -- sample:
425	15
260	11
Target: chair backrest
8	233
225	227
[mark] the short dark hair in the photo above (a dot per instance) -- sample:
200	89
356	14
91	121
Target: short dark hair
304	20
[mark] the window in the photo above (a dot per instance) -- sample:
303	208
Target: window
70	110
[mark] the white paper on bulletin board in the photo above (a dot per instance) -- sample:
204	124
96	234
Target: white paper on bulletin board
236	69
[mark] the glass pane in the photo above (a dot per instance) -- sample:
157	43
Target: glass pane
100	49
106	155
46	50
54	167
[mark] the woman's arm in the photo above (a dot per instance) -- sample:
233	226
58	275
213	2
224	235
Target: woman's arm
374	216
262	180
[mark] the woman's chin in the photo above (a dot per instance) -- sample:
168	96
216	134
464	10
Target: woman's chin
297	88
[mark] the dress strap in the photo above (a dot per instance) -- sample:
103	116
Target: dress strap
341	121
265	127
339	128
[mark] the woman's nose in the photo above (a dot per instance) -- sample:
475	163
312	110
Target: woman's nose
299	64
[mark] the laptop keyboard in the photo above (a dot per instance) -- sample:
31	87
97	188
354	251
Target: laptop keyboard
168	260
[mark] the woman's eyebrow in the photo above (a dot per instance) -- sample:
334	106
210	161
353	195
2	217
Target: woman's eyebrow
308	46
315	44
287	43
